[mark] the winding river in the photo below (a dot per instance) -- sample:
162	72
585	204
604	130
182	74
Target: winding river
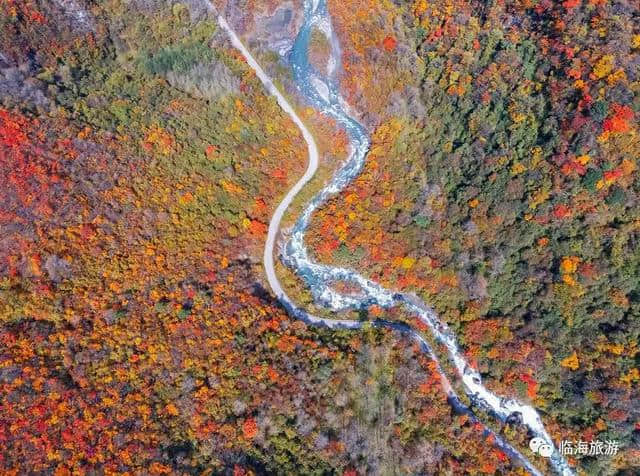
321	91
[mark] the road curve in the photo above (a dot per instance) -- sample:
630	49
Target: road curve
276	219
471	379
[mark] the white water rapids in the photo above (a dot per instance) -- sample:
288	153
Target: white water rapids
322	92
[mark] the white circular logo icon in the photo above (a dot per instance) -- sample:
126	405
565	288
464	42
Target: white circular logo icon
541	447
536	443
545	450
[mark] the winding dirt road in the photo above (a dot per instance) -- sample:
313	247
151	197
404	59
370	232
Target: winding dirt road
501	407
276	219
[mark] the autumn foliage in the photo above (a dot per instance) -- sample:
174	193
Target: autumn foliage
137	335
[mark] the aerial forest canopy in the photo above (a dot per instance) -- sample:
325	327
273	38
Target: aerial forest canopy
142	160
